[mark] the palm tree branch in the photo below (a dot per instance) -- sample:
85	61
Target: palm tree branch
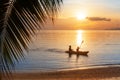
18	24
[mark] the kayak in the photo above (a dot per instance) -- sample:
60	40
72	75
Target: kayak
77	52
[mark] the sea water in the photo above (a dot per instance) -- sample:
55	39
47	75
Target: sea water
47	50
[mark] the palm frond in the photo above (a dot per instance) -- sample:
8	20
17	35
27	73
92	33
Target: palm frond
18	21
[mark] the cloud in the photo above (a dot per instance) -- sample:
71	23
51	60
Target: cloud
98	19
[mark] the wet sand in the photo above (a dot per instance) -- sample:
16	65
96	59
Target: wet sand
106	73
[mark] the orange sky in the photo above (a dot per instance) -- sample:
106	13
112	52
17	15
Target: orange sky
101	14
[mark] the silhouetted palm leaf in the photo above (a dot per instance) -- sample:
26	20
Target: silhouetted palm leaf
18	21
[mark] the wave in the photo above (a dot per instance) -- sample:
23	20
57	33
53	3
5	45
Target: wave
55	50
48	50
112	44
35	49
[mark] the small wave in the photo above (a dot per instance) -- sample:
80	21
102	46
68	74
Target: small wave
35	49
55	50
105	64
48	50
112	44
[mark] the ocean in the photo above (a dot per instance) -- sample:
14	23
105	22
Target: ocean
47	50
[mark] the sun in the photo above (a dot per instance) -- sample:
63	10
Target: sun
81	16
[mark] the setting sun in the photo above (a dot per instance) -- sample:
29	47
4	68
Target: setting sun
81	16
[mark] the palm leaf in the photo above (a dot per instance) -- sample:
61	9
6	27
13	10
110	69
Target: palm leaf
19	20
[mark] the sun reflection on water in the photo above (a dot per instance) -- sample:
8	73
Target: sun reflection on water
79	37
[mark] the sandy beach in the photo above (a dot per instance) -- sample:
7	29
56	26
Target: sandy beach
106	73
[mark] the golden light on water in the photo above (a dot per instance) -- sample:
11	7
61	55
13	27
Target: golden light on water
79	38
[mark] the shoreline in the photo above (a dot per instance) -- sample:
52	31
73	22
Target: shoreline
67	69
108	73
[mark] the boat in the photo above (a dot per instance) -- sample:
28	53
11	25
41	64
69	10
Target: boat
77	52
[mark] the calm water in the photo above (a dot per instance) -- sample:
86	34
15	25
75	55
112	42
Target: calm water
47	50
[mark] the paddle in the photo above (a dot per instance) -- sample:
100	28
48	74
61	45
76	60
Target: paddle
81	43
80	46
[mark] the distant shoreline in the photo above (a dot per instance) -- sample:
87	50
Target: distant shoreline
107	73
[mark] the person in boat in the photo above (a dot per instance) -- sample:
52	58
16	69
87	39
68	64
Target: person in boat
77	49
70	48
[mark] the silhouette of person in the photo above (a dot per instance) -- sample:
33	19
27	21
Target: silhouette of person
70	48
77	49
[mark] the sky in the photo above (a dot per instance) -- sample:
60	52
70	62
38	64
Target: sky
87	15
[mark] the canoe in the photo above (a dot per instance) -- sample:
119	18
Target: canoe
77	52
